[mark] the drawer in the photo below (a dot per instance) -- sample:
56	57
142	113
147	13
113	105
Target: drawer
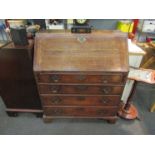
66	100
80	78
81	111
80	89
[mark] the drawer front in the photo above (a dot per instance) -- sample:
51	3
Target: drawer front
80	78
81	111
57	100
80	89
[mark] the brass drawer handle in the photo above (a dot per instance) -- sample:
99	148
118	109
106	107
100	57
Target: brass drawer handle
106	90
55	78
55	89
81	77
81	88
56	100
105	100
104	79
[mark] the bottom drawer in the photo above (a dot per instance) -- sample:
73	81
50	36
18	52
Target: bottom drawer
81	111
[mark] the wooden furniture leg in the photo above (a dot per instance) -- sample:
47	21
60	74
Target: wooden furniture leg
112	121
128	110
47	119
12	114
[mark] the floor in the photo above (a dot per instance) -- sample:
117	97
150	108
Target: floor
29	124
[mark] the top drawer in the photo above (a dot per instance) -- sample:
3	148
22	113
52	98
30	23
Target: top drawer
81	78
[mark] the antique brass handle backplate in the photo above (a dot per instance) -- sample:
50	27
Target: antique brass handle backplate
81	39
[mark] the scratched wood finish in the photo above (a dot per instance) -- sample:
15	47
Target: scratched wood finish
80	100
79	89
81	111
81	75
65	51
80	78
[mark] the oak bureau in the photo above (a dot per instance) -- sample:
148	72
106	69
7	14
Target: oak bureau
80	75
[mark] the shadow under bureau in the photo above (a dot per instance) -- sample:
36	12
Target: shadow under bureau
80	75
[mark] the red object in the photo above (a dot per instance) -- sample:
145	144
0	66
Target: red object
148	40
128	110
136	21
129	113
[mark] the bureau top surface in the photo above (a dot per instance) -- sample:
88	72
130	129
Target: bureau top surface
96	51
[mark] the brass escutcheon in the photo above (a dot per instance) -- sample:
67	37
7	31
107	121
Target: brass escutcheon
81	39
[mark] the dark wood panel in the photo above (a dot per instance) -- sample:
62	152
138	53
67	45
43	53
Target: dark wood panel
81	111
68	100
18	88
80	89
